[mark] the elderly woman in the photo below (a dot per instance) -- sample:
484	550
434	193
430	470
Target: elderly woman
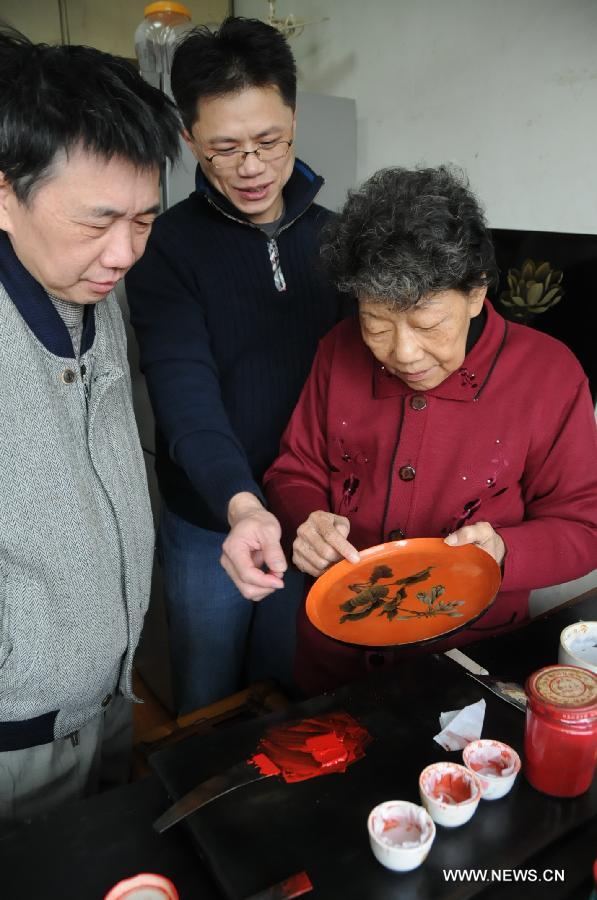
430	415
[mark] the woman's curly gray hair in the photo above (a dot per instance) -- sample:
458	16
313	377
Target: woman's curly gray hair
407	234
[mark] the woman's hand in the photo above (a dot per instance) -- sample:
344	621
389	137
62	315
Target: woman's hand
321	541
481	534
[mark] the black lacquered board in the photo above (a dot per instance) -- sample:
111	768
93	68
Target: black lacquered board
268	830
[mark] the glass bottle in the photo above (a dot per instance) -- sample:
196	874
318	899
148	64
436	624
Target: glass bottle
156	37
560	743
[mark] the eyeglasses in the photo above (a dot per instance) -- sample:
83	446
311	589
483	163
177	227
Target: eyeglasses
230	159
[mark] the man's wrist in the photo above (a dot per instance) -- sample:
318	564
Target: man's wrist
242	504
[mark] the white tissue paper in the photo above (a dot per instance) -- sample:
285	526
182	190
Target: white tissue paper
461	726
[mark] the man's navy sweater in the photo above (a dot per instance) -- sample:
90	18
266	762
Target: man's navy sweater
224	352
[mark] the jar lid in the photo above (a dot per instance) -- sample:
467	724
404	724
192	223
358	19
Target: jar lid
167	7
145	885
564	692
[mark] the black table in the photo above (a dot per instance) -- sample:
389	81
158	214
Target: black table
269	830
518	655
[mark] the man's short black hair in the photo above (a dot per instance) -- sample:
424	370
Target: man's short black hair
242	53
54	99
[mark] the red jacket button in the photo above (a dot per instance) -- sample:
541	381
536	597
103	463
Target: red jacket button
407	473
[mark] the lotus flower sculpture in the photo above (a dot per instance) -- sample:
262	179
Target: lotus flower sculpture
532	289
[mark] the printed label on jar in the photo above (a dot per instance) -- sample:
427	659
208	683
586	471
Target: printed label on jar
567	686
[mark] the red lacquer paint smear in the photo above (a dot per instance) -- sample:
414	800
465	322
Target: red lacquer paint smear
311	747
295	886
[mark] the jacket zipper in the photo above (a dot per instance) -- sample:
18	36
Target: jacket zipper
272	243
83	369
274	258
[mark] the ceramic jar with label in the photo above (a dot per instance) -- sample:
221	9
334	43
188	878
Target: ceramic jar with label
560	743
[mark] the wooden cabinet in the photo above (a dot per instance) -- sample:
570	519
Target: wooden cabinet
107	24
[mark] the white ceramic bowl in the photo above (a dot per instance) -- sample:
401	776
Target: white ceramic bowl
143	887
578	646
400	834
449	792
495	764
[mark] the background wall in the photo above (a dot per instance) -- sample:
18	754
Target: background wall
109	24
505	88
40	21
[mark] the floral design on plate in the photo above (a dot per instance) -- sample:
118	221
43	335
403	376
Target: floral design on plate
390	598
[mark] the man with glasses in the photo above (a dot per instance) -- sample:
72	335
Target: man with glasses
229	304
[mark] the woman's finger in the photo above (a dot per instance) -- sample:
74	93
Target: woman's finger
303	564
318	554
342	547
483	535
327	533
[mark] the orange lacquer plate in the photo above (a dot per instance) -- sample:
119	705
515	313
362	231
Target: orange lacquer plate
404	592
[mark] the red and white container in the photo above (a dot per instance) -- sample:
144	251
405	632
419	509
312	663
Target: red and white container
560	742
146	886
495	764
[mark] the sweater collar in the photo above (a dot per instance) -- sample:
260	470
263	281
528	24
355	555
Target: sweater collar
299	192
37	309
467	382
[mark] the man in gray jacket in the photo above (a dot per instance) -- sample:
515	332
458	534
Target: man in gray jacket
82	139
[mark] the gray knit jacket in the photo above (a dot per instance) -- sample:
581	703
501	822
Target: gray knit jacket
76	535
